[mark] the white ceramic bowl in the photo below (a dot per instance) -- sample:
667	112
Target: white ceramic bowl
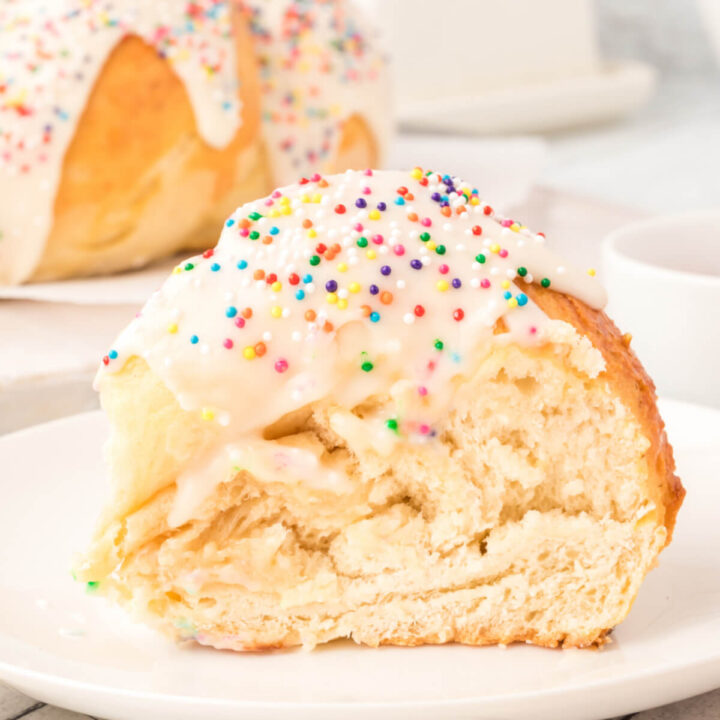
663	283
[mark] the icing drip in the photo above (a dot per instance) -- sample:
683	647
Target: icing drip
345	287
51	55
317	67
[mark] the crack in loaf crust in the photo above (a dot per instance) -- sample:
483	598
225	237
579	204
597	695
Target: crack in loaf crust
503	533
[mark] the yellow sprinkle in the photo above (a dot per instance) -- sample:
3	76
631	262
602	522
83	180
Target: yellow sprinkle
505	284
284	200
332	298
249	352
276	311
276	286
371	254
591	272
442	285
342	303
274	213
312	233
305	198
474	200
287	210
512	302
177	270
515	227
207	414
374	214
342	267
354	287
495	248
172	328
416	174
431	245
317	197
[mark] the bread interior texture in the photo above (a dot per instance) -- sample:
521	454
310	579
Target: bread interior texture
532	515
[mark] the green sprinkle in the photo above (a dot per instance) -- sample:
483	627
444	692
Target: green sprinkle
92	586
315	260
440	249
522	271
392	424
189	266
362	242
545	282
367	366
439	344
255	216
425	236
254	235
480	258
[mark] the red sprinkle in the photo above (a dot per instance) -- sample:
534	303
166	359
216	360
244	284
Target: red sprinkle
419	310
477	230
294	279
459	314
340	209
208	253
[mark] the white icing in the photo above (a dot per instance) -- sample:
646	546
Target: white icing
193	335
53	51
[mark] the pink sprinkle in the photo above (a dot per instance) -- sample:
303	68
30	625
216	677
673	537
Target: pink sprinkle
369	172
533	329
422	390
276	194
424	429
269	202
244	232
315	177
426	222
506	223
503	253
485	283
281	365
377	239
443	269
228	343
399	249
367	191
358	227
240	322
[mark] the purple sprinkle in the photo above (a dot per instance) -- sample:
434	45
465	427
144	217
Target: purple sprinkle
361	203
374	289
416	264
382	206
331	286
385	270
456	283
436	196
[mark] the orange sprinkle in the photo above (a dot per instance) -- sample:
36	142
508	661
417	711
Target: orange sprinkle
307	223
386	297
366	310
244	223
328	326
247	313
409	196
310	315
460	210
323	183
412	217
260	349
267	240
446	211
335	247
258	275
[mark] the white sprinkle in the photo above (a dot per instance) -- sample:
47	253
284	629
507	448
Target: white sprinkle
400	284
460	247
408	318
267	336
296	336
343	293
475	282
286	312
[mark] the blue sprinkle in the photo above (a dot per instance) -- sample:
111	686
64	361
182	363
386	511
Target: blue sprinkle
242	264
522	299
300	294
274	230
112	354
374	316
507	294
215	267
307	278
231	311
455	357
229	222
194	339
399	200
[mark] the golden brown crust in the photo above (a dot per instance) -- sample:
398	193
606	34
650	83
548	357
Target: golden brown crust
633	386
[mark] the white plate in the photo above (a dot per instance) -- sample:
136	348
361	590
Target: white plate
68	648
617	90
